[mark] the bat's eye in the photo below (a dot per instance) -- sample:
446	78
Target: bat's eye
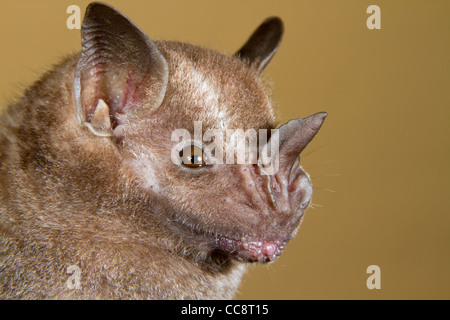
193	157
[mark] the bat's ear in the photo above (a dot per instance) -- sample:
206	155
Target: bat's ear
120	70
263	43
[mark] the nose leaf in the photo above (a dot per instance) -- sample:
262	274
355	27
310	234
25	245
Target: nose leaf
290	188
294	137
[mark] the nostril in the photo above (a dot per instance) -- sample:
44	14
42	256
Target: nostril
307	191
301	193
304	204
290	195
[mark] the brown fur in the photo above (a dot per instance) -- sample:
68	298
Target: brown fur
137	225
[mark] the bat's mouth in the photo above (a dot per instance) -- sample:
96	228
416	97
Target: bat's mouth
245	249
251	250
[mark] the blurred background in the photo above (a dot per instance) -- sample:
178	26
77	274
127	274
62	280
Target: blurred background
380	164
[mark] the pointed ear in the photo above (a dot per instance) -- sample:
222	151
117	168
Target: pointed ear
263	43
120	70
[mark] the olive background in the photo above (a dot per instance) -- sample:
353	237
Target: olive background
380	164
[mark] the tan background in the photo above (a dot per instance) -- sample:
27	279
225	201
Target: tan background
380	164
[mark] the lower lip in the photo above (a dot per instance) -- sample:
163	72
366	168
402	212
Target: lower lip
251	250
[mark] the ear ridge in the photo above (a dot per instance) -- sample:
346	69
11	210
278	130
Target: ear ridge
101	121
263	43
116	58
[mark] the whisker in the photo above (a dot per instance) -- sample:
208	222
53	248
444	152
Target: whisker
317	205
320	164
316	149
324	189
270	271
327	175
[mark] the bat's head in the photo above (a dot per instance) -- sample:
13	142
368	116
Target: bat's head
197	135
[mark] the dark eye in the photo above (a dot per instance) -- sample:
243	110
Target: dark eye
193	157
